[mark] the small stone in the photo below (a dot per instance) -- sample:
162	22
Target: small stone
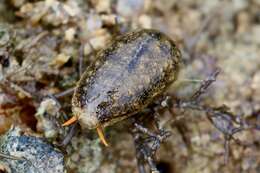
70	34
255	85
94	22
145	21
49	106
128	8
48	115
5	123
84	155
71	9
17	3
243	22
256	34
60	60
87	49
112	19
4	35
100	40
257	2
102	6
35	154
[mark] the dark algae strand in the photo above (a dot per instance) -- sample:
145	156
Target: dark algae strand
125	78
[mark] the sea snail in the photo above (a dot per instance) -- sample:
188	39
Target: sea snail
125	78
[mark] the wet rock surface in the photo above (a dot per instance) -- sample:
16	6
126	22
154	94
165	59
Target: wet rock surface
34	155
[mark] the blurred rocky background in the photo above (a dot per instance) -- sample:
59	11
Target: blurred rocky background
44	42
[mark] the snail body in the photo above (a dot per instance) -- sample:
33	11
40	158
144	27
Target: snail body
126	77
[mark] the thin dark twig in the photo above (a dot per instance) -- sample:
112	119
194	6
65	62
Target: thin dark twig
147	143
139	155
69	136
205	85
81	56
257	126
7	156
64	93
141	168
144	130
227	149
192	42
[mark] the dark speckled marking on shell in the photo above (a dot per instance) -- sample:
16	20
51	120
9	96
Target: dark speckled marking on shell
125	78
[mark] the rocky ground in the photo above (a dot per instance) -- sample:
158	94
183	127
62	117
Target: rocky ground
43	42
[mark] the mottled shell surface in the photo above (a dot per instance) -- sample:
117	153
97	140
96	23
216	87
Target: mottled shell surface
125	78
